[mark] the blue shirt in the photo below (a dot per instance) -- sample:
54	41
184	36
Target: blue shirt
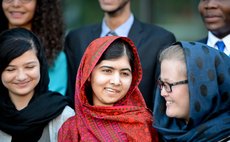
58	74
122	30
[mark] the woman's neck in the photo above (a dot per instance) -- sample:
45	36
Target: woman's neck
21	101
28	26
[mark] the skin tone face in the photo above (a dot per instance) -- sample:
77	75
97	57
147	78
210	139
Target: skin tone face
112	5
20	77
177	102
19	14
116	12
110	81
216	16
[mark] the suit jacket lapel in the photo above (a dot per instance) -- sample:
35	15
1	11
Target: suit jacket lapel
135	33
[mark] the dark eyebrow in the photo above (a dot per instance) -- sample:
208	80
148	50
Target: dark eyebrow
123	69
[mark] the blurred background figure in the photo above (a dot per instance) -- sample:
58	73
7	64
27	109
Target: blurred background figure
46	21
119	20
216	18
182	18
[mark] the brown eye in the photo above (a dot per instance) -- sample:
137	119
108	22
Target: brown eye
30	67
125	74
106	70
10	69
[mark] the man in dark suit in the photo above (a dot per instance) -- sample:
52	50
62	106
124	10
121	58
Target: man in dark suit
216	18
149	39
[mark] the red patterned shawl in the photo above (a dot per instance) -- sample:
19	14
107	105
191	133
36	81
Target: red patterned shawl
128	120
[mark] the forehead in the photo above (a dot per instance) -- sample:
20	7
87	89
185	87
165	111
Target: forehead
172	69
121	62
28	56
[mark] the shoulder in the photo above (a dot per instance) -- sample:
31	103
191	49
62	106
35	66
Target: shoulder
203	40
152	28
151	34
81	37
69	130
4	137
58	121
70	123
66	113
82	31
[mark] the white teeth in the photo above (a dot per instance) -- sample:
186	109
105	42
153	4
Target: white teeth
169	102
111	90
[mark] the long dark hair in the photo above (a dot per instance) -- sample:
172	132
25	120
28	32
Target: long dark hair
47	24
14	43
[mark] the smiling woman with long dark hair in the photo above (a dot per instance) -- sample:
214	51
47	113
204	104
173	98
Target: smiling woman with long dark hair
44	18
29	112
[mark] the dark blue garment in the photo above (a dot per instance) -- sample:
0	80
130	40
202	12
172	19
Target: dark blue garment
208	73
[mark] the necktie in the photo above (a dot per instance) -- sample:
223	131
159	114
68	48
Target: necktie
220	45
111	33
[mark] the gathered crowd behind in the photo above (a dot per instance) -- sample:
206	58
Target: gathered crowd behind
117	80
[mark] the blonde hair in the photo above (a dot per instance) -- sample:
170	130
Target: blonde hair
174	52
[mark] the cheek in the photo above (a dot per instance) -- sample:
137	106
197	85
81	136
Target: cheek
6	78
30	8
200	7
4	7
98	80
127	83
35	74
184	96
33	9
180	94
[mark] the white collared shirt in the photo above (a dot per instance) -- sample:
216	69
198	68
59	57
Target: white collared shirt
122	30
212	39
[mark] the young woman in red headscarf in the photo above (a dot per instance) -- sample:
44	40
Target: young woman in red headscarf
108	103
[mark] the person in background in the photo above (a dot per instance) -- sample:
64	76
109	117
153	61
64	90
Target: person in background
119	20
45	20
216	18
108	103
29	112
193	100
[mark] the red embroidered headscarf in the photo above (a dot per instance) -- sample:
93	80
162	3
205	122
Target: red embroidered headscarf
128	120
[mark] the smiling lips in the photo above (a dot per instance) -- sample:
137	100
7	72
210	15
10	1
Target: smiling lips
16	14
211	17
168	102
22	84
111	90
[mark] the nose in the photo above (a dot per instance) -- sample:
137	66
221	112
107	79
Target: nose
21	75
115	79
211	4
163	92
16	2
